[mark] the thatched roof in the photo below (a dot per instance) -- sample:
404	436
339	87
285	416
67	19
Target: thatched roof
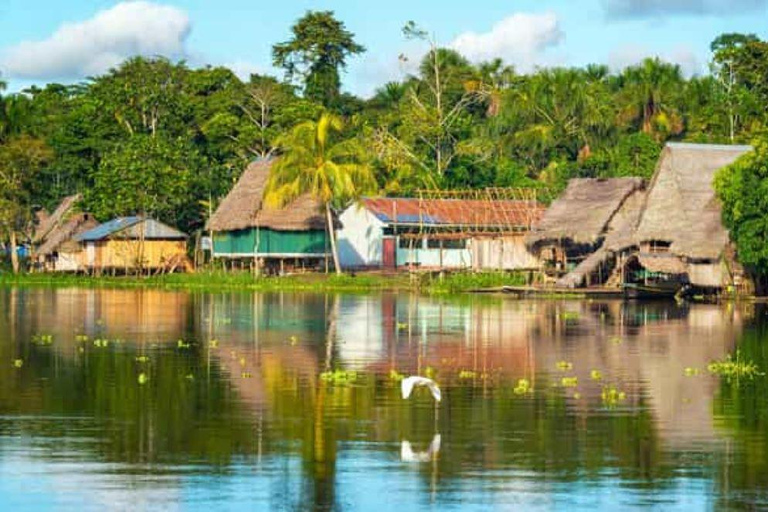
243	207
60	235
57	218
681	207
581	215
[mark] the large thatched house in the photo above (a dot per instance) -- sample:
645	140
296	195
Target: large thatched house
585	228
244	229
670	236
680	231
55	249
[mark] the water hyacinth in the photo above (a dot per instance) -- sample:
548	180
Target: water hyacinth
569	382
467	374
339	377
595	375
523	386
734	368
564	366
611	396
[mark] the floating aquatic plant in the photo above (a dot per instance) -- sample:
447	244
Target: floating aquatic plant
339	377
564	366
213	344
42	339
569	382
18	363
142	359
81	338
100	343
402	326
246	375
429	372
181	344
596	375
611	396
616	340
691	372
523	386
569	315
189	376
143	378
395	376
577	396
294	341
734	368
467	374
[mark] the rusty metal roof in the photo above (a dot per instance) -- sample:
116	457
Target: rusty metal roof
465	213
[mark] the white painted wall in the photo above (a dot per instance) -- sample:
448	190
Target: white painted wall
430	258
359	239
66	262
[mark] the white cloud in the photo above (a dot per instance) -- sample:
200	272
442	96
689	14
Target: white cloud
520	39
631	54
93	46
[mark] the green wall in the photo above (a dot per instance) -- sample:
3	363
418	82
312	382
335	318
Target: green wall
243	242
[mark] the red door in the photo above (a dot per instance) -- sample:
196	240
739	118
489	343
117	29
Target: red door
388	252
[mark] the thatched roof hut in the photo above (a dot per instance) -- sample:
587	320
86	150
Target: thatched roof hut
244	207
55	220
582	215
61	237
681	208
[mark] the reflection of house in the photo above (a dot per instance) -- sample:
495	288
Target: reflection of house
680	231
437	233
56	249
130	243
585	227
243	228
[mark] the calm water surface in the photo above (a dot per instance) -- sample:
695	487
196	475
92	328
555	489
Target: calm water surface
113	399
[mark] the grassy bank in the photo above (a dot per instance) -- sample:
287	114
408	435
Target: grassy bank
223	281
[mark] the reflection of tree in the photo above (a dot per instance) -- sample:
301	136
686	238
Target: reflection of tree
741	410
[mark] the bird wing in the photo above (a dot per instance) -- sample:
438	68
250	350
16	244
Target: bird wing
406	386
432	385
434	446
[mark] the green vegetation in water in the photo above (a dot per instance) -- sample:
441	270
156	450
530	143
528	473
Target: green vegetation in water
569	382
81	338
395	376
293	340
339	377
569	316
731	368
691	372
142	359
143	378
213	344
616	340
596	375
18	363
402	326
467	375
564	366
42	339
100	343
523	387
182	345
611	396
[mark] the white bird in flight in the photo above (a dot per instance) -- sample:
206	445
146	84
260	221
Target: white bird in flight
408	383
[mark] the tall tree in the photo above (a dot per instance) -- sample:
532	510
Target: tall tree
648	95
315	55
316	161
21	158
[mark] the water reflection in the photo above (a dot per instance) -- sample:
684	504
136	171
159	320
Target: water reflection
233	408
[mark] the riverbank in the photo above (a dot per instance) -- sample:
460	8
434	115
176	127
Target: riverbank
232	281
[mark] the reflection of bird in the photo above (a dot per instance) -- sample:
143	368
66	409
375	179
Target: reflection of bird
407	454
408	383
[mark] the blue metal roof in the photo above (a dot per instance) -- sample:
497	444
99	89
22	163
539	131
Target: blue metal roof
152	230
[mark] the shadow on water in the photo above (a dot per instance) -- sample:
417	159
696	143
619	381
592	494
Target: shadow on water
149	398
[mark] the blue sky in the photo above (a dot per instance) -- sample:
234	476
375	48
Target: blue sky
55	40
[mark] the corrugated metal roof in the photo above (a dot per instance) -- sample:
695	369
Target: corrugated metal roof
131	228
455	212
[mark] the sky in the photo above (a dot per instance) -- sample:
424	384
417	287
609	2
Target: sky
66	41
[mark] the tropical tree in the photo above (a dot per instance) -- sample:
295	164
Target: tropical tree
648	95
314	160
316	53
21	159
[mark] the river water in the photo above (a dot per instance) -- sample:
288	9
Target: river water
126	399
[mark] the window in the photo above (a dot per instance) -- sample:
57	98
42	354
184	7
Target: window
433	244
446	244
657	246
408	242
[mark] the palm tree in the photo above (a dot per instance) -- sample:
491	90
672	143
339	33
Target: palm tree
313	162
648	89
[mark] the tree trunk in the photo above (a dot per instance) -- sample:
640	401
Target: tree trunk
332	236
14	254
